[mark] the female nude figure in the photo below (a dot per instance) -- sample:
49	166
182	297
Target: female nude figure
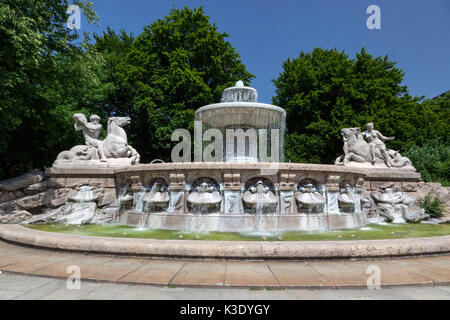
376	142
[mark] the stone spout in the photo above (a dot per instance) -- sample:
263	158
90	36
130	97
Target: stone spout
205	199
345	201
157	199
259	197
309	199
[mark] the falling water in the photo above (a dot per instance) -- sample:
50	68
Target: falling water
260	217
175	198
396	213
138	204
147	205
188	227
275	218
332	201
81	211
138	208
353	195
357	212
123	190
259	211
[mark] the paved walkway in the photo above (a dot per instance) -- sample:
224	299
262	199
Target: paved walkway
427	271
25	287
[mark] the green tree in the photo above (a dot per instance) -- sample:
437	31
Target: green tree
176	65
432	160
114	48
35	47
80	87
324	91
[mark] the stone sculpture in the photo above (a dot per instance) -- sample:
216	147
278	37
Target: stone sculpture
205	199
91	131
394	207
158	198
80	208
371	152
309	200
114	146
260	198
345	201
376	143
93	182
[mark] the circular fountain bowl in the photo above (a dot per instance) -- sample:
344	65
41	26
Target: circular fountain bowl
241	114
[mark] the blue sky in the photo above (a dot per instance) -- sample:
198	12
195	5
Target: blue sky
415	33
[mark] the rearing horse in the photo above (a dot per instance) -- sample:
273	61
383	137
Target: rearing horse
115	144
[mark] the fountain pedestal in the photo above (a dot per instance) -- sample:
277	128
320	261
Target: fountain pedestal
245	124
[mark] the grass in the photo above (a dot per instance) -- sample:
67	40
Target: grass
369	232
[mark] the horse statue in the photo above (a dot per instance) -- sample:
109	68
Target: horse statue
115	145
356	149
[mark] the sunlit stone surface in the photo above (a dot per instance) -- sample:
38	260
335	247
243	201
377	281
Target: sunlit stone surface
239	113
242	193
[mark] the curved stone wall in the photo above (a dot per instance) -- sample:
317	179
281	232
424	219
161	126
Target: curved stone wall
258	197
218	196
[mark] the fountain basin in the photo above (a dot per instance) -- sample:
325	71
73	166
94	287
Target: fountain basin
231	181
245	223
243	124
239	197
247	114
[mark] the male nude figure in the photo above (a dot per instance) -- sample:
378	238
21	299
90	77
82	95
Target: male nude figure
91	131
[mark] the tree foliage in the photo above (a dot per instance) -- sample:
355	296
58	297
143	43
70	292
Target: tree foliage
432	160
430	149
37	90
176	65
159	79
325	90
114	47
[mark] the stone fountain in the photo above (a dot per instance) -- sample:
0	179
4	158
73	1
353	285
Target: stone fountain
245	191
239	112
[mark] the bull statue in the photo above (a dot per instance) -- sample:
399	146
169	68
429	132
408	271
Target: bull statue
373	151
